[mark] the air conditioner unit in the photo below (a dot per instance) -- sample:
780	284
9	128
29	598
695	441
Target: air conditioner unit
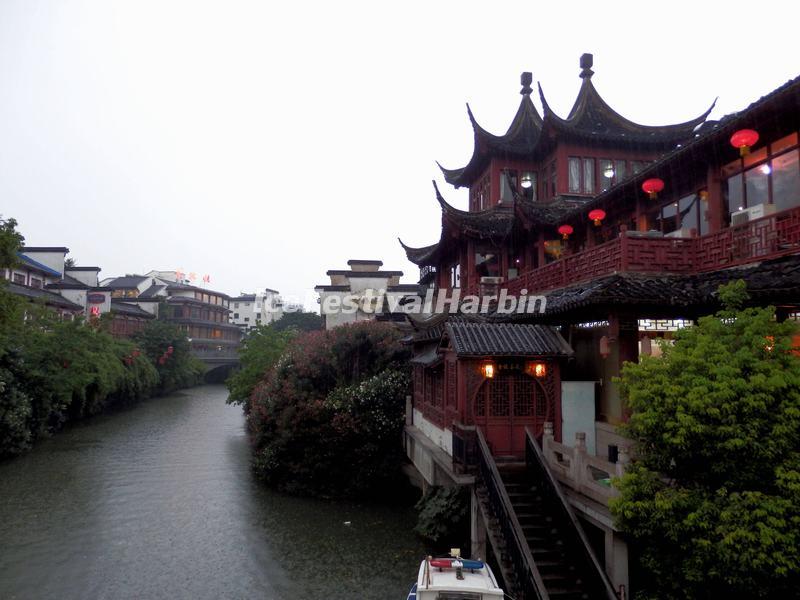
683	232
752	213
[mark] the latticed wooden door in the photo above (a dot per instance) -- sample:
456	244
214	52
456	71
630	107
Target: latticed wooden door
504	405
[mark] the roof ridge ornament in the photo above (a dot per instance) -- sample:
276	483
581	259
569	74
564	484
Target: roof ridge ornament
525	80
587	60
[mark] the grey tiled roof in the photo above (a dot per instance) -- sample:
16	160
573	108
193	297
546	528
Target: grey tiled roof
505	339
49	298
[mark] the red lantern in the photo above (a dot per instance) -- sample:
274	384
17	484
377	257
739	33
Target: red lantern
565	231
743	139
597	215
653	186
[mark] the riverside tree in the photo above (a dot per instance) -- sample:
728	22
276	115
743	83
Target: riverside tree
713	497
260	350
328	415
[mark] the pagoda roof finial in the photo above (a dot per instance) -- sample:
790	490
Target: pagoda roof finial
587	60
525	80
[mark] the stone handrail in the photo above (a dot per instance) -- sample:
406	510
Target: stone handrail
577	467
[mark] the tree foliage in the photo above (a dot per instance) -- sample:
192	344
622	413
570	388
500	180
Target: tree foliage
713	497
298	321
328	415
54	371
10	242
260	350
444	515
169	351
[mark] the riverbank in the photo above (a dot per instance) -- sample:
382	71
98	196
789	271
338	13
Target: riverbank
159	501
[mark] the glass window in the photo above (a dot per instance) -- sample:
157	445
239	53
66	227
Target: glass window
786	180
783	143
235	305
668	222
588	175
574	175
688	208
620	171
637	166
19	279
734	195
553	180
606	173
703	210
528	185
756	184
755	157
36	283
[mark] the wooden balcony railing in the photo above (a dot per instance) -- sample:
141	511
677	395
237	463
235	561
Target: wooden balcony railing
771	236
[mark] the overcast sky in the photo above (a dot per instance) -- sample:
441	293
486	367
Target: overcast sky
264	143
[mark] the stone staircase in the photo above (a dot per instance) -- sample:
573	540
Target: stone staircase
561	567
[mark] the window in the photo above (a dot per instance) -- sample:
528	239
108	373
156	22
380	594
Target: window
581	175
508	184
637	166
235	305
19	278
36	283
247	319
553	180
620	172
769	175
479	193
606	173
528	185
455	276
574	169
588	175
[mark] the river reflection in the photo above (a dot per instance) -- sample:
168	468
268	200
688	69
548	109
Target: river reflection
159	502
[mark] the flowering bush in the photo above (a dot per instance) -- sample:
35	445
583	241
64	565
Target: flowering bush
327	417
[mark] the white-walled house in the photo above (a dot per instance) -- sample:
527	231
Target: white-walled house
361	293
251	310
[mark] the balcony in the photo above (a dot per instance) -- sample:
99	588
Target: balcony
754	241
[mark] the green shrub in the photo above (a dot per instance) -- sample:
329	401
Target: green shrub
444	516
328	416
713	498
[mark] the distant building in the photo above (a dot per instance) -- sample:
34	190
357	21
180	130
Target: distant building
203	314
251	310
361	293
41	276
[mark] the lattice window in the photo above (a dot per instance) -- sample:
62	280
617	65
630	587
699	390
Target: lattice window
480	401
524	396
541	405
499	397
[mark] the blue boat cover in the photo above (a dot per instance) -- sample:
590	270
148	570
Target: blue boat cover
412	595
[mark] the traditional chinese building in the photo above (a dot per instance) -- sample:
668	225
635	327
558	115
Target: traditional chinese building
627	230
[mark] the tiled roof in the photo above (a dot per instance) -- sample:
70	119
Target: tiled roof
67	283
775	281
505	339
129	309
129	281
152	291
39	294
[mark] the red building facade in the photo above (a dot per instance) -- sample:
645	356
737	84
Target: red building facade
642	265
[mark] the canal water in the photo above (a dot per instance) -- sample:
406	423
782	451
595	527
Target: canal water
159	502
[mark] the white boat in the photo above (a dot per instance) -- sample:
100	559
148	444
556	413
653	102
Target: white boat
455	578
